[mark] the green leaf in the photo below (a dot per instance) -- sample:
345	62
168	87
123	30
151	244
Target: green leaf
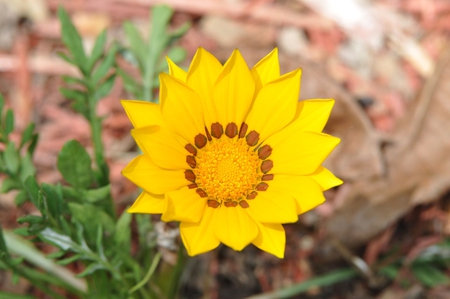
90	269
74	164
11	156
105	88
31	219
130	84
90	217
54	199
2	104
69	260
3	248
161	16
33	144
429	275
177	54
62	241
98	49
72	39
9	127
105	65
96	195
73	94
26	167
137	44
9	184
27	134
66	58
22	231
5	295
180	31
21	198
73	80
56	255
32	188
122	233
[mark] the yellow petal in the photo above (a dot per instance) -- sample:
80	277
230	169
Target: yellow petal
184	205
273	207
325	178
300	153
143	114
233	91
176	71
304	189
275	105
312	115
181	108
165	148
144	173
266	70
149	204
234	227
202	75
271	238
199	237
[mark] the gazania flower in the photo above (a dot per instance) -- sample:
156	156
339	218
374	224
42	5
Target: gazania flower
230	152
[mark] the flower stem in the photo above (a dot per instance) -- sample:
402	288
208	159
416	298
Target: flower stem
149	274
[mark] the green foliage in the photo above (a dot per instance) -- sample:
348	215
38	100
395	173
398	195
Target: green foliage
147	54
74	163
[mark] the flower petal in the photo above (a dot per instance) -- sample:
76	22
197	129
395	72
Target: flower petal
306	191
271	238
202	74
325	178
234	227
233	91
184	205
181	108
275	105
149	204
266	70
144	173
312	115
199	237
300	153
176	71
273	207
143	114
165	148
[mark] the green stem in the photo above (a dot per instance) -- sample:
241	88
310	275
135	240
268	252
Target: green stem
149	274
149	73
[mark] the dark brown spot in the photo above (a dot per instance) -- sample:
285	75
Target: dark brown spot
264	152
231	130
252	138
190	148
190	160
213	203
252	195
216	130
192	186
243	130
266	165
201	192
262	186
267	177
243	204
200	140
207	134
189	175
230	204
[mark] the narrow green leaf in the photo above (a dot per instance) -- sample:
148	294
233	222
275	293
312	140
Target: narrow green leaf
122	233
62	241
74	163
31	219
137	44
130	84
73	80
72	39
96	195
9	184
90	269
9	126
177	54
66	58
11	158
3	248
98	49
2	104
26	167
33	144
5	295
69	260
73	94
90	217
22	231
429	275
106	64
180	31
21	198
105	88
32	188
56	255
27	134
54	200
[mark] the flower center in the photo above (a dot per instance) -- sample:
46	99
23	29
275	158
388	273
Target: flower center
227	169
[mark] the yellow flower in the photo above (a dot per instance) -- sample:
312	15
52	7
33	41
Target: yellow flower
230	152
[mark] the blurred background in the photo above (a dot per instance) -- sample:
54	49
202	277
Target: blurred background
386	62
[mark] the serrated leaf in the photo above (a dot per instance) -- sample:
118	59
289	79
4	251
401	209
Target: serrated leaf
72	39
74	163
90	269
9	184
31	219
32	188
26	167
27	134
21	198
106	64
98	49
62	241
96	195
137	44
11	157
105	88
122	233
9	122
